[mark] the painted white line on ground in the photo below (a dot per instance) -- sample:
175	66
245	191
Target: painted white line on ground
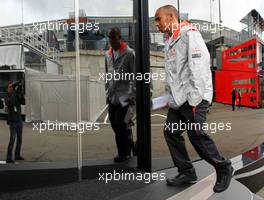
106	117
251	194
251	173
158	115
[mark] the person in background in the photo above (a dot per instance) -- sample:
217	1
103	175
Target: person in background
234	97
239	98
13	101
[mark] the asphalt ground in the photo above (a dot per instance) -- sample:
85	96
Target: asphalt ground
246	132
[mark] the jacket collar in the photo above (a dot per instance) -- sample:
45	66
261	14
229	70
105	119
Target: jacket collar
121	50
176	33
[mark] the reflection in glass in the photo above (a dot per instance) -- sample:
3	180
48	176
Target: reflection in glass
39	59
99	143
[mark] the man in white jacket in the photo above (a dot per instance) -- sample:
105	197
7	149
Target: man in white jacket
189	86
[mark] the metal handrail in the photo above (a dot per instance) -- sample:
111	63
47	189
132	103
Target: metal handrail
30	37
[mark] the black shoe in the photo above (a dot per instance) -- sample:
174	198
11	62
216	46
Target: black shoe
223	180
10	161
19	158
186	177
121	158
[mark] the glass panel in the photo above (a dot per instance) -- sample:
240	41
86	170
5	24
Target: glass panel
221	122
98	81
38	60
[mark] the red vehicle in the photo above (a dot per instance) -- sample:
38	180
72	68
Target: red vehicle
242	69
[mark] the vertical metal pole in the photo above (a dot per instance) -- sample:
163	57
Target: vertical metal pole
211	43
22	10
142	88
179	15
212	49
220	20
22	17
211	14
22	34
78	89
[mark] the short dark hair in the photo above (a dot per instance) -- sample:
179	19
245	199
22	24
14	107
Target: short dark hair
115	31
171	9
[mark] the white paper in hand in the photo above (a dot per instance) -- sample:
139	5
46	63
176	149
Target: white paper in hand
123	100
160	102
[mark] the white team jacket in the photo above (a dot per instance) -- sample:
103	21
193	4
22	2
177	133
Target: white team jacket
187	68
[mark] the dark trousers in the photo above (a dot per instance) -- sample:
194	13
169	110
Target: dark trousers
239	102
123	132
202	142
233	104
16	129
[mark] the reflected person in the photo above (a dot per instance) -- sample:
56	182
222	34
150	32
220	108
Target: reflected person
13	100
234	98
120	59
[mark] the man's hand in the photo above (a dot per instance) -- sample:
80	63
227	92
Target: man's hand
131	101
167	105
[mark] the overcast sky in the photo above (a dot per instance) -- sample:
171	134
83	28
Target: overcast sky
40	10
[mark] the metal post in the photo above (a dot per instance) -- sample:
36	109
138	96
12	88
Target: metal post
211	47
220	18
142	88
211	43
179	17
22	11
78	89
211	14
22	16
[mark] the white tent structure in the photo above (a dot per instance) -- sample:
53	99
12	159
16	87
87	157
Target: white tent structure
53	97
49	95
